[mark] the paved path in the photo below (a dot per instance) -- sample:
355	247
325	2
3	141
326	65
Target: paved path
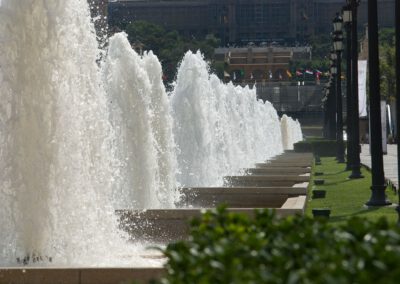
389	161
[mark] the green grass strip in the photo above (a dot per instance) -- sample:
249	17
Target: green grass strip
345	197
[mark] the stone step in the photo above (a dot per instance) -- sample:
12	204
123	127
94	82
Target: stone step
170	225
264	181
237	197
276	170
291	163
285	156
80	275
283	165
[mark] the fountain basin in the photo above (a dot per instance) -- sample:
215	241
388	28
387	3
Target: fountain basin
162	226
79	275
289	163
264	180
238	197
277	171
293	156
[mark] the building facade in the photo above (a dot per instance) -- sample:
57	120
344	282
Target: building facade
243	21
260	64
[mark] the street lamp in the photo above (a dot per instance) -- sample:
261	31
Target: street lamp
347	19
338	48
325	102
332	100
333	70
356	166
333	55
378	196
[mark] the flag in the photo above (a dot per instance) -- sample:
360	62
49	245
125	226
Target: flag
270	74
289	74
298	73
251	76
234	76
309	72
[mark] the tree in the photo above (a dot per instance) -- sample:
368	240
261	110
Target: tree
387	63
169	45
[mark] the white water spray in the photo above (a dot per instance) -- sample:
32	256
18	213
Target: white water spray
56	142
219	128
140	115
69	151
291	132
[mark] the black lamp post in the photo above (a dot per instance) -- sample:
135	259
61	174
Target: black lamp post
347	18
332	104
356	165
378	196
325	102
338	47
397	17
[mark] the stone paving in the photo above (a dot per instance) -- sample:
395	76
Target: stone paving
389	161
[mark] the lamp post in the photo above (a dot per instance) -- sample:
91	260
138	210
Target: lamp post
397	17
338	48
378	196
356	166
347	18
333	94
325	102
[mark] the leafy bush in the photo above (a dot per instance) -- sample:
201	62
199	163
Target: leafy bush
322	148
231	248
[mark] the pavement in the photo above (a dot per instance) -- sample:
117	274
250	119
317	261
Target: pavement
389	161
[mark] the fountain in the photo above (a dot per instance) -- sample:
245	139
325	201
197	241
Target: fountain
219	128
143	124
291	132
57	145
80	138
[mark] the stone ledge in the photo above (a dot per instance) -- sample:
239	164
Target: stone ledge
79	275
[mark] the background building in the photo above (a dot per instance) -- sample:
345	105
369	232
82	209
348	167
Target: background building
260	64
243	21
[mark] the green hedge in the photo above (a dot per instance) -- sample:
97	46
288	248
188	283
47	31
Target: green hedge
322	148
231	248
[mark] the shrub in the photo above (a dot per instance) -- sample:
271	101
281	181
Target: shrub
322	148
231	248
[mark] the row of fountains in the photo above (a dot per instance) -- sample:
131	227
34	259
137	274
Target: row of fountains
79	138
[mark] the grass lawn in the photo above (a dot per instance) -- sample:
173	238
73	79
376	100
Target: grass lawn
345	197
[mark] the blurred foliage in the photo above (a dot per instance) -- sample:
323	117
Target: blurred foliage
387	62
232	248
169	46
315	64
320	46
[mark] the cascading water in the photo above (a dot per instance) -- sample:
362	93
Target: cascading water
71	149
162	127
291	132
140	115
56	143
219	128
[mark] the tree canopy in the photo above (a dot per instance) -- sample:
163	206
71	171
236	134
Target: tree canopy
169	45
387	62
